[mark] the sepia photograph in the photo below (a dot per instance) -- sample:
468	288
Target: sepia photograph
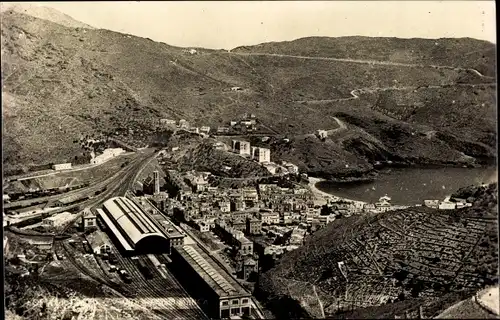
186	160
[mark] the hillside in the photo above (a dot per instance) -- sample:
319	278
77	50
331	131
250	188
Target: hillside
45	13
447	51
61	83
196	153
394	261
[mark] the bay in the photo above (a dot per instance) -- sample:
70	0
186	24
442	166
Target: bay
411	186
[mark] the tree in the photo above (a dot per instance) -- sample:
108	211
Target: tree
326	210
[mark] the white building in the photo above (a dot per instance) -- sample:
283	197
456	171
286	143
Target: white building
62	166
431	203
58	219
290	167
165	122
447	204
183	124
194	130
241	147
326	219
106	155
203	226
205	130
224	206
262	155
322	134
273	168
270	217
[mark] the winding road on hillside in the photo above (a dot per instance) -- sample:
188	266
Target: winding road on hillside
370	62
356	92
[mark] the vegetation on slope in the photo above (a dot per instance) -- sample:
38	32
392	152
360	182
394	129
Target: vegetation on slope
416	254
196	153
60	83
462	52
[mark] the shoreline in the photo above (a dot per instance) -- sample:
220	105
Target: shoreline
321	195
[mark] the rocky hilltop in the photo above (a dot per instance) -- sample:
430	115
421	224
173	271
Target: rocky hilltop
385	264
412	101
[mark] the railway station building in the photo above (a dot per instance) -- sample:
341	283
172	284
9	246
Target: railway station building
131	228
223	297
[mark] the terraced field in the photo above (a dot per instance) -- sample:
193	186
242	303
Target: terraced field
416	253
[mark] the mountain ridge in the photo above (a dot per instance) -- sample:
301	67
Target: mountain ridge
96	81
45	13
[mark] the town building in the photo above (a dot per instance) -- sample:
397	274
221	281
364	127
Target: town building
41	243
58	220
181	189
447	204
205	130
206	280
290	167
273	168
89	220
262	155
183	124
244	246
253	226
132	229
62	166
219	146
383	205
194	130
222	129
322	134
203	226
160	200
269	217
241	147
250	266
106	155
238	205
239	224
224	206
250	196
324	220
197	181
431	204
156	176
369	207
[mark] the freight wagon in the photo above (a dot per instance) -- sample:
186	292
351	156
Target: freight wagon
143	268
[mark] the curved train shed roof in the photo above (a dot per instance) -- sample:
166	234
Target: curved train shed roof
129	222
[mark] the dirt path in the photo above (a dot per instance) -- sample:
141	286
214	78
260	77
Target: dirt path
357	92
370	62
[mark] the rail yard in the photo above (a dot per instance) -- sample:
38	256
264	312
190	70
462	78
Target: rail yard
146	280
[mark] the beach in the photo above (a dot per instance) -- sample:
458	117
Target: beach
322	196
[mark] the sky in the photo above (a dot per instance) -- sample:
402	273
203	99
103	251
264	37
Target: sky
228	24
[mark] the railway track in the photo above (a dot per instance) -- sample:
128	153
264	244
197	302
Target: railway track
152	292
68	253
118	182
98	185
